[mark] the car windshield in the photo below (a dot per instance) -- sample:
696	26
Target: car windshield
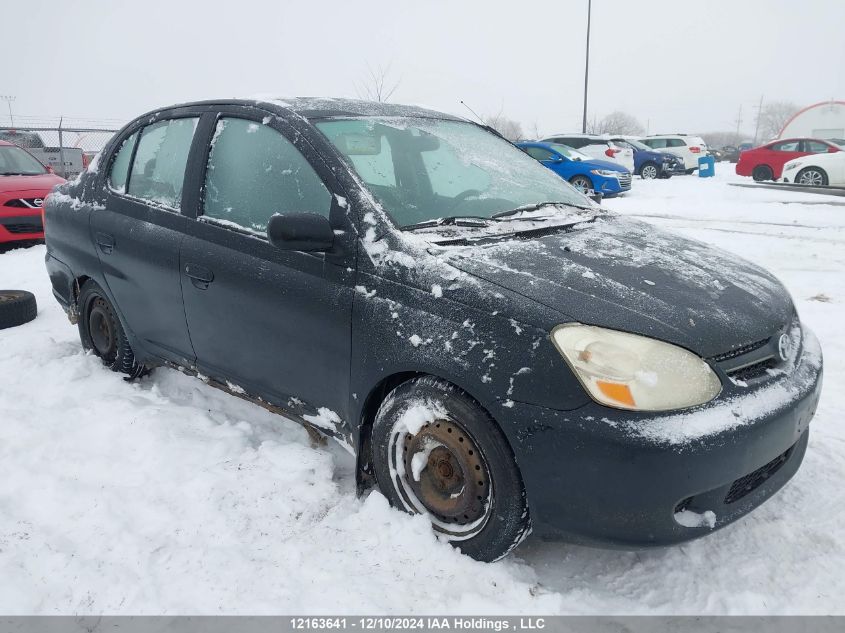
569	152
424	169
15	161
638	145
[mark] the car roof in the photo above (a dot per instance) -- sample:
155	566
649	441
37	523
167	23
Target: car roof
324	107
602	137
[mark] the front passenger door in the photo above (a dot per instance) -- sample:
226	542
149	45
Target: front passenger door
274	322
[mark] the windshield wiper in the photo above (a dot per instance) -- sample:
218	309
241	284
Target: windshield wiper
453	220
535	207
12	173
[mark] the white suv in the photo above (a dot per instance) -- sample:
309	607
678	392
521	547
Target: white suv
690	148
595	146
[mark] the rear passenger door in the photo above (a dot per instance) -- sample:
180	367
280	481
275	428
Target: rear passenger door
138	230
274	322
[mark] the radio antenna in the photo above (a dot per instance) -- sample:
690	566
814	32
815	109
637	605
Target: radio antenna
480	120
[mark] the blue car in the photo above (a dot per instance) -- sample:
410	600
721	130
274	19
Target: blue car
583	172
650	163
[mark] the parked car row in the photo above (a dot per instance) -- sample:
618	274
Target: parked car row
806	157
606	164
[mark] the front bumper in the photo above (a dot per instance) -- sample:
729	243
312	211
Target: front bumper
616	479
21	224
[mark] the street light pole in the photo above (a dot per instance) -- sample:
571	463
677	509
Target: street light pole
587	67
8	99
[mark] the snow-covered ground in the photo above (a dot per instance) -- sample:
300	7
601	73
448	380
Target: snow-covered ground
167	496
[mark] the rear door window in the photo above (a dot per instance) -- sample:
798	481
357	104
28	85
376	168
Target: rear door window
254	172
675	142
815	147
119	172
655	143
158	170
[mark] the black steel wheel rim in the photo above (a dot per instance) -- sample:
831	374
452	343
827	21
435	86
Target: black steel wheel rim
101	330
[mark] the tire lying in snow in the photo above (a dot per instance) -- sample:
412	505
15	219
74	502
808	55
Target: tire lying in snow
16	308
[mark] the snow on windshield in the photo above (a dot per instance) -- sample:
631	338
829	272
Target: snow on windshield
422	169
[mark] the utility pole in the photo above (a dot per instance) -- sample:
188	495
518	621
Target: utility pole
757	126
587	67
738	122
8	99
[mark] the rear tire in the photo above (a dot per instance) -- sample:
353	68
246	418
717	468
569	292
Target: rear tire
649	171
762	172
581	183
815	176
463	474
102	333
16	308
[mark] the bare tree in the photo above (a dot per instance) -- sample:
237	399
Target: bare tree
617	122
510	129
377	85
773	116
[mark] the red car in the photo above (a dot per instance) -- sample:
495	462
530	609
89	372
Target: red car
24	183
766	162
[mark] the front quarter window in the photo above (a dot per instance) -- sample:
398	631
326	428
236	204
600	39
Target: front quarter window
422	169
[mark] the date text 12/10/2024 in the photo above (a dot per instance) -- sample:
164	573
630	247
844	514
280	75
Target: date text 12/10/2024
418	623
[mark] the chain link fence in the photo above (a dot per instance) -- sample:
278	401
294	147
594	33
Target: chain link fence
66	149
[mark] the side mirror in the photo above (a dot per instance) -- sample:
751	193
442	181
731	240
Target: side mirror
300	232
832	150
50	170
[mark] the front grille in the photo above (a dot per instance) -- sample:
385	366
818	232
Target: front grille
25	203
739	351
624	180
25	227
751	481
752	372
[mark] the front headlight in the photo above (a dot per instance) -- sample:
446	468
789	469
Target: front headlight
607	173
628	371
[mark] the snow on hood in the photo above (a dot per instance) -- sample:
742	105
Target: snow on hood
627	275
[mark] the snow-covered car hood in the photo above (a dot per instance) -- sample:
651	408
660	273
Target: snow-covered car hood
627	275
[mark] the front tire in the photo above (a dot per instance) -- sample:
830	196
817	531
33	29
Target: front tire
437	452
815	176
649	171
102	333
762	172
581	183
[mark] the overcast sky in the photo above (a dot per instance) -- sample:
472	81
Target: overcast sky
679	65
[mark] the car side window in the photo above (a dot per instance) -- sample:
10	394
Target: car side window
815	147
158	170
539	153
254	172
655	143
119	172
675	142
786	146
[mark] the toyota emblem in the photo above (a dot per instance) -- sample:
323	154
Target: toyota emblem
783	346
